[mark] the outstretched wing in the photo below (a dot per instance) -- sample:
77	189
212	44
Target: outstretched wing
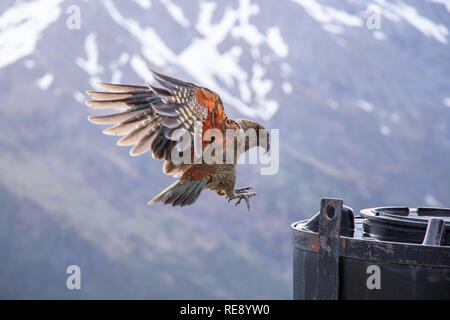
154	118
188	104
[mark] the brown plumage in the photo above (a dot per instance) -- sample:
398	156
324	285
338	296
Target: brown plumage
158	119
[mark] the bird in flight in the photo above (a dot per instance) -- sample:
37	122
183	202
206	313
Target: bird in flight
186	126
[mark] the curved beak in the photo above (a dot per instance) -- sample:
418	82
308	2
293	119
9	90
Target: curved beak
268	147
268	144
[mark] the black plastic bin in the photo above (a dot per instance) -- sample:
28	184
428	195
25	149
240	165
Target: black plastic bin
386	253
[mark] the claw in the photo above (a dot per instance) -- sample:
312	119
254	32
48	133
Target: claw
245	196
242	190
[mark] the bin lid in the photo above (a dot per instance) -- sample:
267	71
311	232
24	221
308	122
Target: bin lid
403	224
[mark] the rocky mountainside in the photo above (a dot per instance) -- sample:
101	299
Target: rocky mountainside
359	91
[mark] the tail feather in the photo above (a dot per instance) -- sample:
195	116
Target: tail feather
181	193
194	190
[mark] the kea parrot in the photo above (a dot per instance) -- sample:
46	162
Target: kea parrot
159	119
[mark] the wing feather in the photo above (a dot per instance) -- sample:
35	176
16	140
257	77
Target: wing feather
155	118
144	144
117	117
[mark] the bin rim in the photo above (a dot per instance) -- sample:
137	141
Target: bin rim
375	250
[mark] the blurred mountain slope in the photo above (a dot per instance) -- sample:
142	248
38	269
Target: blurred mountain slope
362	115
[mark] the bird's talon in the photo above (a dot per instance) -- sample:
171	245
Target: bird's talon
242	190
246	196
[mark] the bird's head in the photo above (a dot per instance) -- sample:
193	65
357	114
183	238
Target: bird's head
262	134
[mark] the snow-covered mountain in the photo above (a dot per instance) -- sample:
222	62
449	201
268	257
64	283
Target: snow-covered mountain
360	91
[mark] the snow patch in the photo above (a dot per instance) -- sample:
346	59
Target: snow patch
260	85
116	65
366	106
332	28
78	96
153	47
276	43
332	20
286	70
402	11
385	130
243	28
446	3
29	64
447	102
45	82
335	20
90	64
140	66
333	104
208	65
21	27
395	117
379	35
176	13
287	87
144	4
